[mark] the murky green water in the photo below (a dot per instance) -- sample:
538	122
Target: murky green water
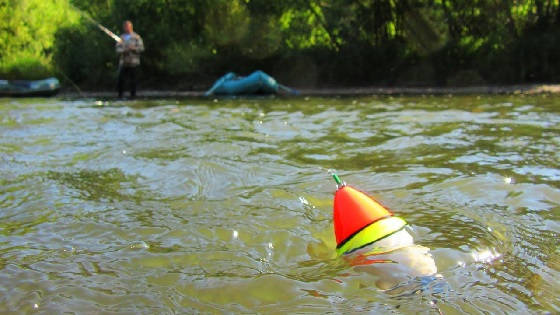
201	206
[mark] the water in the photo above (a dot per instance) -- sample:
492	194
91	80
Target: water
209	206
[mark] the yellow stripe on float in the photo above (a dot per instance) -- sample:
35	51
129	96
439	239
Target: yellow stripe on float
372	233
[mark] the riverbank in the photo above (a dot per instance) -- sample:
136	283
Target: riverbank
525	89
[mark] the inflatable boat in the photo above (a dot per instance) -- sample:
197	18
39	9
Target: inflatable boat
257	82
46	87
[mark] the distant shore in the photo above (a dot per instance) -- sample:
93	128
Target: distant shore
525	89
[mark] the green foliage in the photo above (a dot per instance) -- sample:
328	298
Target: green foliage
85	54
184	58
227	22
27	32
305	42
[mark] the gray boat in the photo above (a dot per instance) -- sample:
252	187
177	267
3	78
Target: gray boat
46	87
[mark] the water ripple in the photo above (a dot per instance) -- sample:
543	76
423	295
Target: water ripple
182	206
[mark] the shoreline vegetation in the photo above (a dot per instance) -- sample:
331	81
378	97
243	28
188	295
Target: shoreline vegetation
307	44
524	89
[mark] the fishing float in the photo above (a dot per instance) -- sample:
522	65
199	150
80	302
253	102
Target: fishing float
359	220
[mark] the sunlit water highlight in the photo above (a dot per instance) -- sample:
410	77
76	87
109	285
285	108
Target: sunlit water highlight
225	205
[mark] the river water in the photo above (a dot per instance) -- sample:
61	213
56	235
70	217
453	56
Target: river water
181	206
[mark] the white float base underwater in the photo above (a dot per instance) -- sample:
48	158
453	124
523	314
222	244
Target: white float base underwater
394	260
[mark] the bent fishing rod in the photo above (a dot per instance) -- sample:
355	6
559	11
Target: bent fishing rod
104	29
108	32
101	27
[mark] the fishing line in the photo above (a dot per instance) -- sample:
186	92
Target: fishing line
102	28
71	82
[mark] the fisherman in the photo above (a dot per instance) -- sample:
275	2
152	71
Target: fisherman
128	48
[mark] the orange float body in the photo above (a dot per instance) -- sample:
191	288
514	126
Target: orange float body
358	220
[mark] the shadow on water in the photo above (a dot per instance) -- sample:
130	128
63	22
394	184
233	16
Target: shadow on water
109	185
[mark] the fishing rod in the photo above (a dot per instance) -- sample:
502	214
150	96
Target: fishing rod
101	27
108	32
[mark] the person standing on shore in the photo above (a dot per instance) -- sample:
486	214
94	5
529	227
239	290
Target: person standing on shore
128	49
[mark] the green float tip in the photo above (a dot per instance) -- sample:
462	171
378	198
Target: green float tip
337	180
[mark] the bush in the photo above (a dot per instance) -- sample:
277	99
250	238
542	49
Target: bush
25	66
28	35
85	55
189	43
